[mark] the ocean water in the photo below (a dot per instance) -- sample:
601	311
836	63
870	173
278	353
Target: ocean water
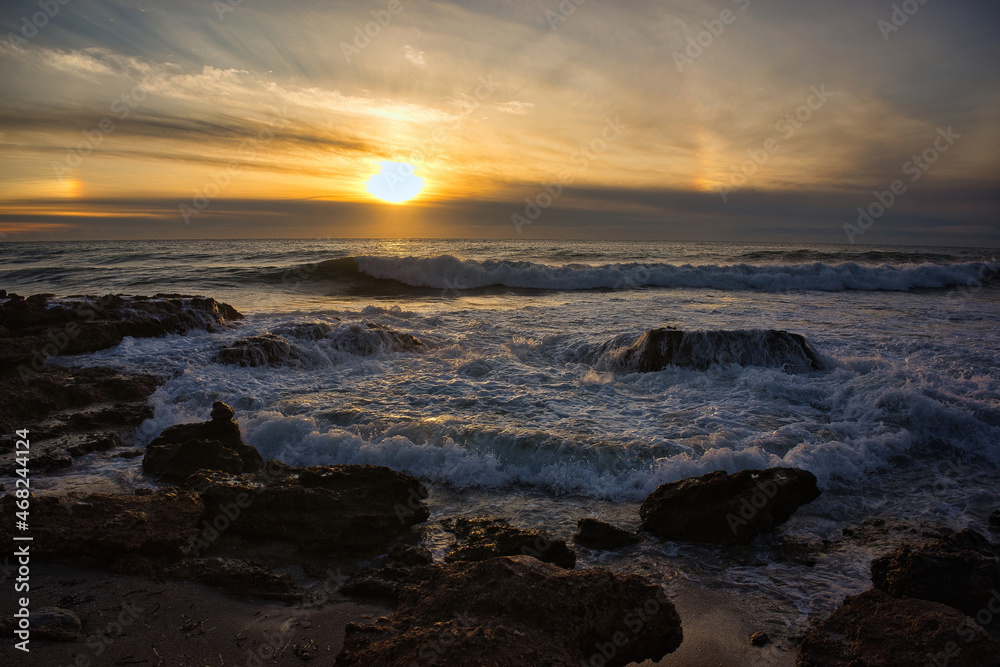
507	410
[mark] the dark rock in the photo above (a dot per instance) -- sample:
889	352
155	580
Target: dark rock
488	537
3	294
759	639
874	628
371	338
995	519
406	565
959	570
657	349
73	391
600	535
519	611
263	350
305	330
107	526
238	576
727	509
181	450
40	327
53	623
347	507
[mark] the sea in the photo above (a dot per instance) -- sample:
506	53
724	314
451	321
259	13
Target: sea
508	410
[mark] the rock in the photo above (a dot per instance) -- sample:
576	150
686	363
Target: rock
107	526
39	327
263	350
759	639
727	509
348	507
305	330
657	349
405	565
875	629
238	576
959	570
371	338
73	392
995	520
520	611
600	535
54	623
488	537
181	450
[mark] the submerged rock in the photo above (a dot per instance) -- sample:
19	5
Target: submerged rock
488	537
657	349
727	509
961	570
264	350
213	445
874	628
107	526
600	535
354	507
520	611
371	338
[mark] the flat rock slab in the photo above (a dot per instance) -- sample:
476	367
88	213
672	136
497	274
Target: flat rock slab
109	526
350	507
726	509
520	611
877	630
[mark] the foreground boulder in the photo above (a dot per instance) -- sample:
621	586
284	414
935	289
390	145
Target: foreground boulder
181	450
108	526
727	509
520	611
42	326
877	629
657	349
961	570
600	535
355	507
488	537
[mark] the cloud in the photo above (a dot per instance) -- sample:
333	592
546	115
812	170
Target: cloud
515	107
414	56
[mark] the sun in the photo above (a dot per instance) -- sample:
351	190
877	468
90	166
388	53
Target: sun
396	183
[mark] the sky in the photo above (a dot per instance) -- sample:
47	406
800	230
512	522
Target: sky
712	120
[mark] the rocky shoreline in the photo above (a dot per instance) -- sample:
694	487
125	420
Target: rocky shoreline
337	548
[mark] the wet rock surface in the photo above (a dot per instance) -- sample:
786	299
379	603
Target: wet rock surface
961	570
181	450
406	565
105	527
488	537
657	349
264	350
725	508
41	326
874	628
323	507
598	534
520	611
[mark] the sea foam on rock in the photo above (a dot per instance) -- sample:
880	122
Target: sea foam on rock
213	445
518	610
656	349
727	509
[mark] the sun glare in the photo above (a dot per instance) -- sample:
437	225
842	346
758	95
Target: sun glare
396	183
